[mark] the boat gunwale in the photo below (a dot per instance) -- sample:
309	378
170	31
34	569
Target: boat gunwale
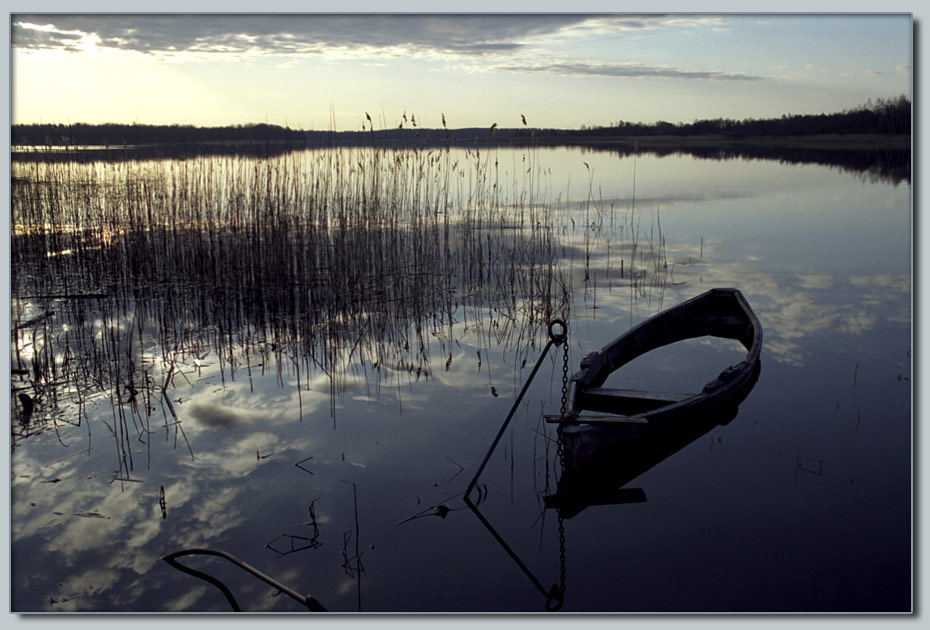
597	366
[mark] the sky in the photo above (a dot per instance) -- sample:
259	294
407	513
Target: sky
328	71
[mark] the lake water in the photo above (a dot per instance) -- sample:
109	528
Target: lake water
318	408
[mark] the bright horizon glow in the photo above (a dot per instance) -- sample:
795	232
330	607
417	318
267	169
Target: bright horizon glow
319	71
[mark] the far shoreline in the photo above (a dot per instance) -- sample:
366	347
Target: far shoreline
542	138
849	142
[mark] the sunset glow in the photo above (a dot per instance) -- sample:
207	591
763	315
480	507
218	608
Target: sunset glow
318	71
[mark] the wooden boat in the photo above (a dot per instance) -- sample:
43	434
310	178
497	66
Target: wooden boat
722	313
602	453
599	460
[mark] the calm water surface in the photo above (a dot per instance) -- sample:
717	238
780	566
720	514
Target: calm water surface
347	483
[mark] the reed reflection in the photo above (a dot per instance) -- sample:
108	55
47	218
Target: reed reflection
597	464
127	280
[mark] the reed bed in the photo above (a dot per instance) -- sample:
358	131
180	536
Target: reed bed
130	277
126	276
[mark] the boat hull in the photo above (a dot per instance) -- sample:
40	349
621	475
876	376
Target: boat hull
722	313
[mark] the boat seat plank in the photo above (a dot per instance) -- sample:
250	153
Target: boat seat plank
624	401
637	394
604	420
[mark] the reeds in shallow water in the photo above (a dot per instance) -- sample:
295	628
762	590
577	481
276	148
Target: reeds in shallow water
311	262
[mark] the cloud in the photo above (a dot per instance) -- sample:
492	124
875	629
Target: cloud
463	35
815	280
878	281
628	70
613	24
289	34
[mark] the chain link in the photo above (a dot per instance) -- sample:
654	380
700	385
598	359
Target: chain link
563	418
564	377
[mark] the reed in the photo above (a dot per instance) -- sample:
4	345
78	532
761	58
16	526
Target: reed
327	261
129	276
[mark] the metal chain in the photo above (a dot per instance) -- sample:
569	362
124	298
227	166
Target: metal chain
561	455
564	377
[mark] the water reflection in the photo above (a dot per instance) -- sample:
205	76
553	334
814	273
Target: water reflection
876	165
802	308
166	151
882	165
597	462
310	602
152	335
199	386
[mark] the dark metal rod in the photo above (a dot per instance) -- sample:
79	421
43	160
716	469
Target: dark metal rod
207	578
506	547
171	559
555	339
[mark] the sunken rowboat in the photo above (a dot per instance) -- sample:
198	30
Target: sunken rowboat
598	461
723	313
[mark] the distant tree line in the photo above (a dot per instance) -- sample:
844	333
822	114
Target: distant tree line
883	116
112	134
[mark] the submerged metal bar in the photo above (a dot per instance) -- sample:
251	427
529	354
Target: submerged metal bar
555	339
554	597
207	578
308	601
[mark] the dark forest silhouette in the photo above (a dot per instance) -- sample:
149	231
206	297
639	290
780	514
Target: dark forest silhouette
884	116
891	116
